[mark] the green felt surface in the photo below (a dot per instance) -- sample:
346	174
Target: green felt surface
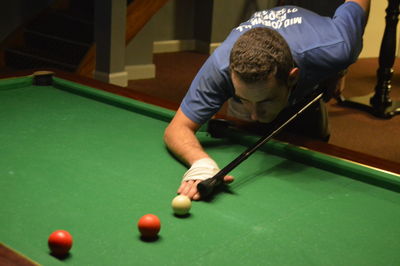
93	168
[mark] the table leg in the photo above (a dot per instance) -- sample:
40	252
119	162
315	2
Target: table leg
380	104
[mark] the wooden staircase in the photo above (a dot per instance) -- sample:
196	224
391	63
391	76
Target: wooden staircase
62	38
57	38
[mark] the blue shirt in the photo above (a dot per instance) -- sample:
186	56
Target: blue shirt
321	47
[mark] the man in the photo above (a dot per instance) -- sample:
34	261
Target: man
273	60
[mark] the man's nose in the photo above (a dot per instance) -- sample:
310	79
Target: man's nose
255	112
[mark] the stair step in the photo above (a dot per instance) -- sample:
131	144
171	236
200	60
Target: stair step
26	58
63	26
52	55
40	41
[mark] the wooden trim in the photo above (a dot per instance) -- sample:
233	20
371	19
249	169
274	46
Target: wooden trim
98	85
320	146
9	256
343	153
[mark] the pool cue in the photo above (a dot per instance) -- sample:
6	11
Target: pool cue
207	186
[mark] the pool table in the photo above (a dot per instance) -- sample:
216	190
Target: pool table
76	155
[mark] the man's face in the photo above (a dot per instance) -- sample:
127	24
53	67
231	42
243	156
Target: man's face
263	99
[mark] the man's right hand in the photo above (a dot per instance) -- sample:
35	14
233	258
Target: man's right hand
189	187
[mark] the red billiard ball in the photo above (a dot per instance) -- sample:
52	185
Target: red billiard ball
149	225
60	242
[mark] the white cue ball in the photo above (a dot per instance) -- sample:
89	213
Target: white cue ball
181	205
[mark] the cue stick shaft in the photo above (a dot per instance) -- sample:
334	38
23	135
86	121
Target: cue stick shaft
206	187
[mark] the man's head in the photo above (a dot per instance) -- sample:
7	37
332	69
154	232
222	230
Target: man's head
263	72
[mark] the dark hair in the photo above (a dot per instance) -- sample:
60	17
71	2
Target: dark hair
260	52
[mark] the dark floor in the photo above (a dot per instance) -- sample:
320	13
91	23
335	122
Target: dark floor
359	130
350	128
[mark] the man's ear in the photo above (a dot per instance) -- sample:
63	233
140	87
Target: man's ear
294	75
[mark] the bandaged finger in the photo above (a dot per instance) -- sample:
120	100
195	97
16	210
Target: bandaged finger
201	170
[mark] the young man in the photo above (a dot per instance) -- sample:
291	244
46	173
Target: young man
273	60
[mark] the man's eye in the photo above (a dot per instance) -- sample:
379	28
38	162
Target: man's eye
264	101
237	99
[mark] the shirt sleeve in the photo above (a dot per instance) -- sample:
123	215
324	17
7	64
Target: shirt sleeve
350	20
207	93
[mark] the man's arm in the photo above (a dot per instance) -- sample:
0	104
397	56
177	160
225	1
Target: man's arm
365	4
181	140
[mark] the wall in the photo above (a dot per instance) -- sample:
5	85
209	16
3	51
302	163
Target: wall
230	13
374	30
173	22
167	31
